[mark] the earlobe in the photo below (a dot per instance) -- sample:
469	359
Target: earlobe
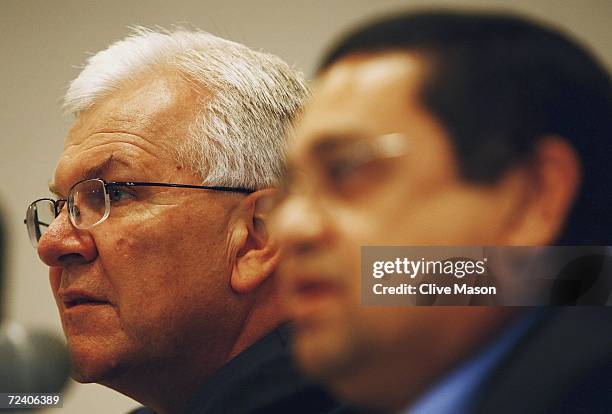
258	255
554	177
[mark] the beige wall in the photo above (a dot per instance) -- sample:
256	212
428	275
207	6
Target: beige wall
42	42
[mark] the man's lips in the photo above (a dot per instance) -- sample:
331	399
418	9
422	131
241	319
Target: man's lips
309	293
72	297
308	288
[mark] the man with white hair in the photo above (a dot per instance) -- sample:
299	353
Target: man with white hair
160	263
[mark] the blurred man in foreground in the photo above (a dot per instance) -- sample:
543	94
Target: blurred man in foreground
159	257
441	128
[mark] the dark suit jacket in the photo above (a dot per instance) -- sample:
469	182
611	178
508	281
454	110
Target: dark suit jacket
261	380
563	365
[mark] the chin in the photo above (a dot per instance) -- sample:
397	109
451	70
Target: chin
324	354
94	362
337	363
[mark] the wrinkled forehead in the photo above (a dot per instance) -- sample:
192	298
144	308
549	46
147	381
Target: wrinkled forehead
152	103
360	96
138	126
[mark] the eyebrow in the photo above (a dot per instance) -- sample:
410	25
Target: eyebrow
333	142
97	171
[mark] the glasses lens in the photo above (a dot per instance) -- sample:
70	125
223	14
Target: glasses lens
89	203
38	218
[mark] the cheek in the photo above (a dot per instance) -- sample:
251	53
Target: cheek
461	218
172	247
158	272
446	218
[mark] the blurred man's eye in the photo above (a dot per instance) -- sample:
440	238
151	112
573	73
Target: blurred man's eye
350	177
340	172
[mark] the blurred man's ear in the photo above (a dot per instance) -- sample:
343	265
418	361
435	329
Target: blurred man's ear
552	181
257	255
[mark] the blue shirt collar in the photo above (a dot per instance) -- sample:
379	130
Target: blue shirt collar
455	392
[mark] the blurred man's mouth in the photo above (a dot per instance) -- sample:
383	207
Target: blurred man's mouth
310	294
313	289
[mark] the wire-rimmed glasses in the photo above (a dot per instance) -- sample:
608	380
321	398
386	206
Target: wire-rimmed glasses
89	202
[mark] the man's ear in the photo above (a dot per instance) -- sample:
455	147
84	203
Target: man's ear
257	254
554	174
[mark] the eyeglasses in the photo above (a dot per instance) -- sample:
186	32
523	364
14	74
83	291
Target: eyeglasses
89	202
344	168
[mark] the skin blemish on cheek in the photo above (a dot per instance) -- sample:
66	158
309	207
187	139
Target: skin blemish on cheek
122	244
127	243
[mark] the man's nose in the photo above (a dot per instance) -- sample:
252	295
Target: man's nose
300	225
63	244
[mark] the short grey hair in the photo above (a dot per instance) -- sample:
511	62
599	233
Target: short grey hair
249	100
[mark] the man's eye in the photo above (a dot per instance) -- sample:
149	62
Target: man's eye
118	194
342	174
341	170
354	177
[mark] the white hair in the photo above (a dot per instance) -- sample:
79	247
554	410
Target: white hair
249	100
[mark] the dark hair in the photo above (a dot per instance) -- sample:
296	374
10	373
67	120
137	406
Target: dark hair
500	83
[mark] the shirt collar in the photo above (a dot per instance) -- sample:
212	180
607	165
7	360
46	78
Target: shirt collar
455	393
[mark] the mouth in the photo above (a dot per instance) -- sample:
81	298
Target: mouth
77	298
312	296
84	302
311	289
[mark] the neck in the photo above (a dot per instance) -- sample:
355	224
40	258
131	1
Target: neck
394	378
265	316
166	391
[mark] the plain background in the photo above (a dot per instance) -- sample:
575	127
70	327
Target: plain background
43	43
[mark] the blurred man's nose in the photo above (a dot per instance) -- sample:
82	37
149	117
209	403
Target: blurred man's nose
299	225
63	244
